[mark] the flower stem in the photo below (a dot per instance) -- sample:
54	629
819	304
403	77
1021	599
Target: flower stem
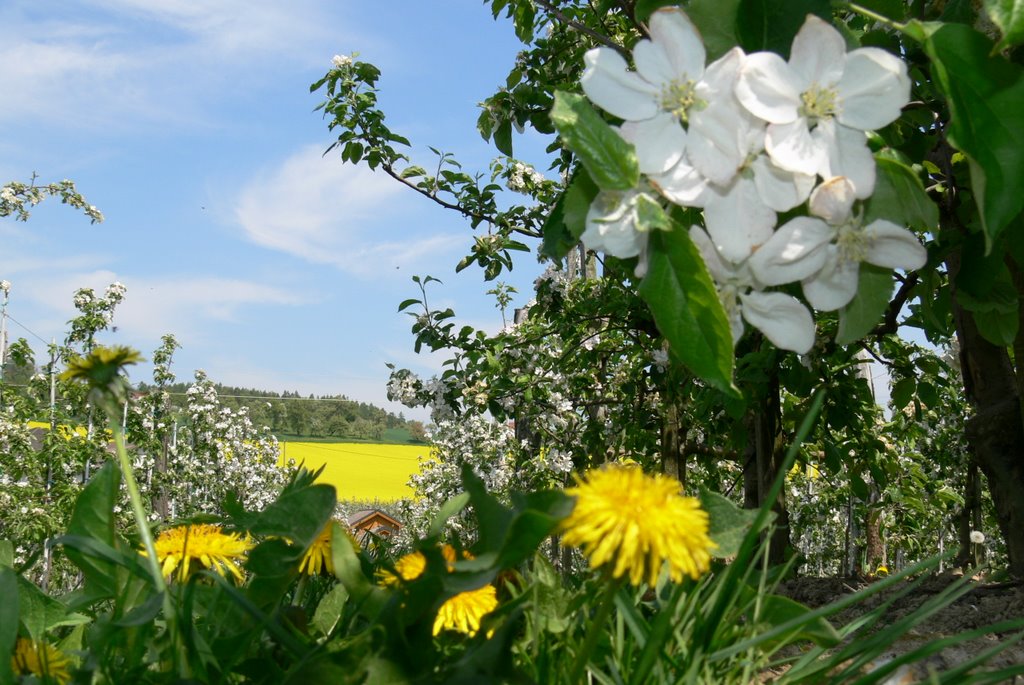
142	521
864	11
596	628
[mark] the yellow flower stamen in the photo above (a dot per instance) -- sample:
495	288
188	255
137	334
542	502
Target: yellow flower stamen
818	103
678	98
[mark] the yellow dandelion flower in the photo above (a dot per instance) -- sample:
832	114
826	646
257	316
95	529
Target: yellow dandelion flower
462	612
632	522
318	557
412	565
204	544
41	660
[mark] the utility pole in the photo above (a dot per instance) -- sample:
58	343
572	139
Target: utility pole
5	287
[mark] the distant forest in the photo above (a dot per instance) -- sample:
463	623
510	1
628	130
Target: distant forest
291	415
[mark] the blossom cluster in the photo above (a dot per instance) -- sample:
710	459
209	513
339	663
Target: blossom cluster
17	199
745	138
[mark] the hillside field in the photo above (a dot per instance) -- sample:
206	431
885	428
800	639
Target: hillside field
360	471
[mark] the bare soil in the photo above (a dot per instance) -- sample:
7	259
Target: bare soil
984	605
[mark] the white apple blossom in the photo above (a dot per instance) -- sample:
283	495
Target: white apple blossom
612	224
825	250
819	103
666	100
783	319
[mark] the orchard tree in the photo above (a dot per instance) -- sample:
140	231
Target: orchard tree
759	174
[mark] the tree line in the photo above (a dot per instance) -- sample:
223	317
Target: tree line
291	414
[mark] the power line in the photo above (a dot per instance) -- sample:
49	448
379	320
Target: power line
30	331
274	399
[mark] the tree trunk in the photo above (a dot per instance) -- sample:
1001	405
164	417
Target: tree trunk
874	544
673	460
996	432
762	461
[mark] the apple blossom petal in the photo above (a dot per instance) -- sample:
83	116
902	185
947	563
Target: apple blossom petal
847	154
738	221
793	147
675	33
780	189
612	87
611	225
873	90
794	252
653	64
660	142
716	267
783	319
833	200
717	140
682	185
769	88
818	51
835	285
893	247
719	82
735	316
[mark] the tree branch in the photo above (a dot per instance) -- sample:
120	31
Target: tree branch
582	28
889	323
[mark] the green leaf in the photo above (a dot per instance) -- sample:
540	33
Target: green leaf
874	288
298	514
777	610
927	393
328	611
996	313
6	553
39	612
503	137
998	327
728	523
890	9
493	517
1008	15
557	240
578	196
772	24
448	509
685	304
900	197
716	21
986	102
902	392
93	517
859	487
610	160
9	615
645	8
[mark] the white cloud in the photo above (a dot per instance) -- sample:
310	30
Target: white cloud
137	62
184	306
323	211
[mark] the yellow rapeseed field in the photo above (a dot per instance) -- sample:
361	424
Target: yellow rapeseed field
360	470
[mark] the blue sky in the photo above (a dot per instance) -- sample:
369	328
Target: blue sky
191	126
